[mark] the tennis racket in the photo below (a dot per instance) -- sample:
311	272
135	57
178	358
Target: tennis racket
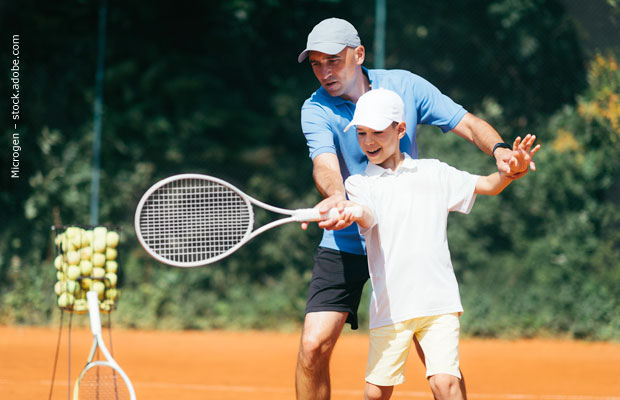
190	220
101	380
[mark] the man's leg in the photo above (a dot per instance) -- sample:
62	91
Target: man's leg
319	336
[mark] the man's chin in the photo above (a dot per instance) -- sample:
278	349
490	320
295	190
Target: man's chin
334	90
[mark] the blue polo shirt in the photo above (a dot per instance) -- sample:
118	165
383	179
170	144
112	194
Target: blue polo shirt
323	119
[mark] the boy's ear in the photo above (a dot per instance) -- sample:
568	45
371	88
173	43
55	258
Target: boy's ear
401	129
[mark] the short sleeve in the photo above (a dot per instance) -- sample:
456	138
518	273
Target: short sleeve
316	128
434	107
459	188
358	192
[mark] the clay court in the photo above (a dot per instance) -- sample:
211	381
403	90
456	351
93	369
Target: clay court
260	366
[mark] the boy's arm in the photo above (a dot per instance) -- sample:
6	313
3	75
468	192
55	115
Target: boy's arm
492	184
520	161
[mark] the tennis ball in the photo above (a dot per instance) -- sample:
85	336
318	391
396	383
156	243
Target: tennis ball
111	253
86	237
86	253
73	272
111	294
98	272
99	244
58	240
86	267
111	279
111	266
80	305
86	283
73	257
98	287
60	276
74	237
58	262
71	286
100	232
61	242
58	288
98	260
65	300
112	239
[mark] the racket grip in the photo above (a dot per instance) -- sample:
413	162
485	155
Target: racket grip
313	214
356	211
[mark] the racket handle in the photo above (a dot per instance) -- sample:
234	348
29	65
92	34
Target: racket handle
93	310
313	214
356	211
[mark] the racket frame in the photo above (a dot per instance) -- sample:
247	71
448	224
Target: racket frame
299	215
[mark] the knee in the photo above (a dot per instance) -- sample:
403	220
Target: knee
374	392
314	350
445	386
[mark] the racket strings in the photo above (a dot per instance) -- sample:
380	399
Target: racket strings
102	382
193	220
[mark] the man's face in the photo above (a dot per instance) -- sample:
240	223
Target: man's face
337	72
381	147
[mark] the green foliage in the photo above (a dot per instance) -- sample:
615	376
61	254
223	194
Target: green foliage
214	87
542	257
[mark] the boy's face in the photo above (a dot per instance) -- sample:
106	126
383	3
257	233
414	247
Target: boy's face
381	147
337	72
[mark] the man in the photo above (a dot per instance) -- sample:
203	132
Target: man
340	271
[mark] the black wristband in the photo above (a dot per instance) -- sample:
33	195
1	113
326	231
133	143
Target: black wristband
504	145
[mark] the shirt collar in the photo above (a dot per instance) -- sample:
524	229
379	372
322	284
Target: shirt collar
409	164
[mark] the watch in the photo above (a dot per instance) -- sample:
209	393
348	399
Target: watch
504	145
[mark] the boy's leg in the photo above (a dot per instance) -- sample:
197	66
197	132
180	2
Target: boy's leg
374	392
418	349
446	387
439	340
387	357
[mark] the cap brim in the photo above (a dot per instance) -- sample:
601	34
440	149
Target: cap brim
372	122
348	126
327	48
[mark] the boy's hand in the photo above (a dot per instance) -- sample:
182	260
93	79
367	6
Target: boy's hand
522	155
337	201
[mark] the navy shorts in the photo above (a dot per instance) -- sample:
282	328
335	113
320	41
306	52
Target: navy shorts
338	279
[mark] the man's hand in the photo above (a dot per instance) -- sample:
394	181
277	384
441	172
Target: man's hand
502	159
522	157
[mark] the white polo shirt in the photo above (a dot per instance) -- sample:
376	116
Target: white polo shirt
408	256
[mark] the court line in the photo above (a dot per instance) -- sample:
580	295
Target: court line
401	394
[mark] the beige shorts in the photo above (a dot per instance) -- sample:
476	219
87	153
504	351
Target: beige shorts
389	346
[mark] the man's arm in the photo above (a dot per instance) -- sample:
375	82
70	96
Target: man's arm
329	182
483	135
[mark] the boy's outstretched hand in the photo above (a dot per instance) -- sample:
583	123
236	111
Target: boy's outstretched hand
522	155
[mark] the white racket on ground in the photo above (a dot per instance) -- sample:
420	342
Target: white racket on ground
101	380
190	220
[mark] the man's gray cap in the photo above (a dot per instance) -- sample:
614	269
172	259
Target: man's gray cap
330	36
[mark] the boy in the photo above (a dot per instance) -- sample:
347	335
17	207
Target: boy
405	210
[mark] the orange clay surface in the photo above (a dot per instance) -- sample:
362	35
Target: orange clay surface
259	365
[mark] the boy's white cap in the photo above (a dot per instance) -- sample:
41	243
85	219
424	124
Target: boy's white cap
377	109
330	36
